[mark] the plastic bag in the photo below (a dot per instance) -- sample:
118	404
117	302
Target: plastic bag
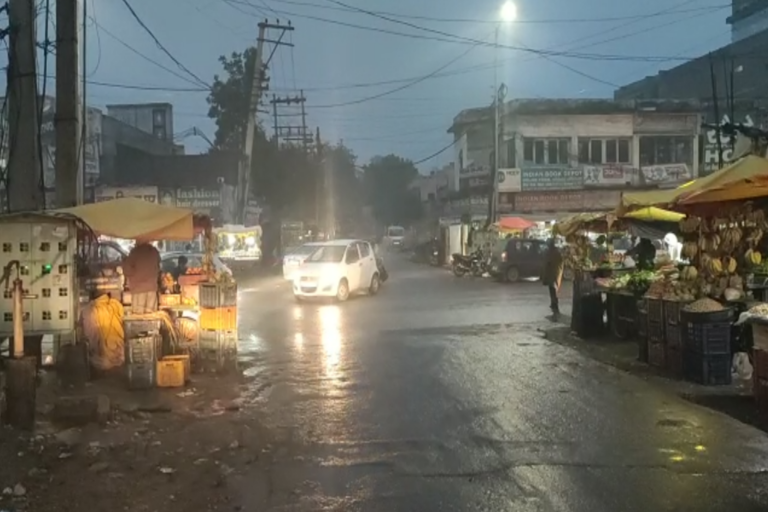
741	366
102	322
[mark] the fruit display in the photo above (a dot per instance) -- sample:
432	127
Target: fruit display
759	310
704	305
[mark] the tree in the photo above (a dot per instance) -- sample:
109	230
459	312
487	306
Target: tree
388	181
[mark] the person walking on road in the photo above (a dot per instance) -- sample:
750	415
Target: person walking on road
552	275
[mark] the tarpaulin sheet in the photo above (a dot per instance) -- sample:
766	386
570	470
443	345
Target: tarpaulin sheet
653	214
132	218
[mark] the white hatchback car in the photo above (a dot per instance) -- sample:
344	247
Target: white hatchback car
295	257
337	268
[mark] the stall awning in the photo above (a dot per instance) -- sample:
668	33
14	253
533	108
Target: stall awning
742	180
652	214
514	224
133	218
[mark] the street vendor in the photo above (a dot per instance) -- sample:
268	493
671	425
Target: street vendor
644	254
552	274
142	270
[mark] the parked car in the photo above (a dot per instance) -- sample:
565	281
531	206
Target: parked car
521	258
337	268
295	256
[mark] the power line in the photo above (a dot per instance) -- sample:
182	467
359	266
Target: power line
160	45
433	155
396	89
450	38
493	22
143	56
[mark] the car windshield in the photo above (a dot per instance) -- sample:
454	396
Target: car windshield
396	231
328	254
304	249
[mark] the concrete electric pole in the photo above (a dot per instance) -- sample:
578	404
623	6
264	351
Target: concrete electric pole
25	189
259	84
67	122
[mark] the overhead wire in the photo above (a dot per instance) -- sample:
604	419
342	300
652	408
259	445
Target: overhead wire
436	19
396	89
98	40
160	45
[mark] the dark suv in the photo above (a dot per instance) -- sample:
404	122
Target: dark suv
521	258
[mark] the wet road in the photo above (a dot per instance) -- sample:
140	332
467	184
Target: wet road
439	395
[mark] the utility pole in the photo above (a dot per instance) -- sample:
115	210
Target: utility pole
319	180
24	172
291	133
498	134
259	83
67	122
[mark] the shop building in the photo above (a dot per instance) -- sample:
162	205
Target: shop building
576	149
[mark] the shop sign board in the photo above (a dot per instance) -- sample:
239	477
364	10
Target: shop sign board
609	175
549	178
510	180
666	174
108	193
198	199
567	200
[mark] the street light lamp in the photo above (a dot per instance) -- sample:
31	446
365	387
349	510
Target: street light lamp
507	14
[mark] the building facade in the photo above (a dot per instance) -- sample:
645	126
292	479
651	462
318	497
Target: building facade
153	118
748	17
575	155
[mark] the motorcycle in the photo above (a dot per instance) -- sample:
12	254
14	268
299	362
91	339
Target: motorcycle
475	264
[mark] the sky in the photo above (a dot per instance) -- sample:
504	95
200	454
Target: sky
423	80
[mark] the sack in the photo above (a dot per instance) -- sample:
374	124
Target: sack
741	366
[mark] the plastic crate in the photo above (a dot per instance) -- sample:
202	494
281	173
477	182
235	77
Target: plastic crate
218	341
170	373
641	325
710	370
219	319
141	350
170	299
673	360
218	295
708	339
656	332
217	351
656	355
655	310
760	392
141	376
673	310
186	363
642	306
139	327
707	318
673	335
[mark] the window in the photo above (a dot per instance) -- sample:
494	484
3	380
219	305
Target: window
511	153
544	152
604	151
352	255
596	151
364	248
662	150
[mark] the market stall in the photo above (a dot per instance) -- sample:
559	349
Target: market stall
196	317
691	312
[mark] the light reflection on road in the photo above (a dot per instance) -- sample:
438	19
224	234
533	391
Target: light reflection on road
330	337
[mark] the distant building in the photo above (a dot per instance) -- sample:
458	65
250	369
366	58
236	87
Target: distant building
153	118
574	154
738	71
436	185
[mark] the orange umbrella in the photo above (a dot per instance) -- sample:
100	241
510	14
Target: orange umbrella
515	224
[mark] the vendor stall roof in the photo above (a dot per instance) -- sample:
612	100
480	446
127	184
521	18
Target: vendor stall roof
514	224
133	218
748	170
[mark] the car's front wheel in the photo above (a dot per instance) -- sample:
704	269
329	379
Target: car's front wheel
373	289
342	293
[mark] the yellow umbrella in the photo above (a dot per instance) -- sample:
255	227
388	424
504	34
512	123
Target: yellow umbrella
653	214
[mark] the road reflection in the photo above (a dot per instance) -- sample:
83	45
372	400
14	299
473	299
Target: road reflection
330	337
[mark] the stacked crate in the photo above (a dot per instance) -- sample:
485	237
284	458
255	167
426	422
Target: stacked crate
760	366
656	333
218	326
642	330
707	347
142	347
673	337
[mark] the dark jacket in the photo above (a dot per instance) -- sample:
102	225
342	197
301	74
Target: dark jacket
552	273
